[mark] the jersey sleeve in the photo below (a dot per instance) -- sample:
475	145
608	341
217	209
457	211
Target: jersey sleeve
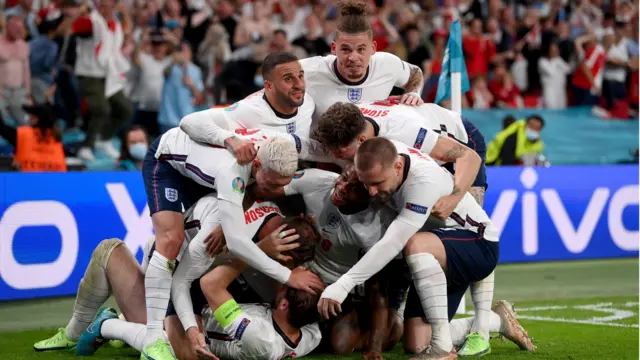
231	183
310	181
400	70
208	126
311	337
254	333
411	132
241	246
418	199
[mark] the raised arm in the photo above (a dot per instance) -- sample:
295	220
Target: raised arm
208	126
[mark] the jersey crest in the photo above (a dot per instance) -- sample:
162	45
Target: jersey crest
298	174
238	185
291	128
354	94
333	221
232	107
171	194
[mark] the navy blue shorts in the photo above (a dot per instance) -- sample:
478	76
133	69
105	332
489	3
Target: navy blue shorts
470	259
477	143
167	189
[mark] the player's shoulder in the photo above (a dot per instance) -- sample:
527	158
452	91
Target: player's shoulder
437	111
316	63
318	175
384	61
311	336
254	102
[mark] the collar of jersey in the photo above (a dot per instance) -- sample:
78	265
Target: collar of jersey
345	81
279	114
376	127
284	336
405	171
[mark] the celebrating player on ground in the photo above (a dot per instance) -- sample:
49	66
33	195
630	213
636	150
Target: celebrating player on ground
173	158
355	72
411	183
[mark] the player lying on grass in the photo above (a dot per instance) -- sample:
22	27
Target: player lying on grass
293	310
113	270
340	205
411	183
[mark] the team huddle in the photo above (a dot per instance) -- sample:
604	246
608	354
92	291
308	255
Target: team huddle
318	215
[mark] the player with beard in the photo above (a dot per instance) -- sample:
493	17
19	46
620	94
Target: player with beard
354	71
411	183
340	204
284	106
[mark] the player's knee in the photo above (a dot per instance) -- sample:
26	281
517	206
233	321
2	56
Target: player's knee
169	242
395	331
103	251
420	242
343	345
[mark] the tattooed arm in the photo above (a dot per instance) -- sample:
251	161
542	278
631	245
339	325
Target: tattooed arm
478	193
467	165
416	79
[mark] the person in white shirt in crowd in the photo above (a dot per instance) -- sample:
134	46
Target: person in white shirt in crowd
553	72
616	66
355	72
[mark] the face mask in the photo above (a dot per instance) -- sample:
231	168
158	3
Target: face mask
532	135
138	151
258	80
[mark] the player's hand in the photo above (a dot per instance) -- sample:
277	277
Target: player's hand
372	355
243	150
445	206
303	279
411	99
215	241
199	346
328	308
278	242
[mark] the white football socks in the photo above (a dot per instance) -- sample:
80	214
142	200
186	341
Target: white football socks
482	296
460	328
431	286
157	285
131	333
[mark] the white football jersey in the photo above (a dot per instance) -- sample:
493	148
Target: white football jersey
327	87
254	335
344	237
255	112
418	127
217	168
425	182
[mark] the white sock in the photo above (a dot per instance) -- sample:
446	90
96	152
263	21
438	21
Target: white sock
131	333
403	305
431	286
157	286
482	296
460	328
93	291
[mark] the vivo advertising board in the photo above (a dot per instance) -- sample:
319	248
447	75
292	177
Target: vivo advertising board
50	223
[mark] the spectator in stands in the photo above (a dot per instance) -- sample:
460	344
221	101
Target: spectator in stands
100	67
133	148
587	79
38	146
15	73
505	92
147	92
479	96
43	57
478	50
503	41
312	41
183	89
553	71
225	11
24	10
519	144
417	52
280	43
615	72
507	121
257	25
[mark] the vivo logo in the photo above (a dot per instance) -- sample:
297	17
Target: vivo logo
54	213
575	239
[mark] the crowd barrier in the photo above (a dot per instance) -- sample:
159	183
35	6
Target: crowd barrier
50	223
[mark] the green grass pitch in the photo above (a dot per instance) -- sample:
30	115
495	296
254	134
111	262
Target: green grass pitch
574	310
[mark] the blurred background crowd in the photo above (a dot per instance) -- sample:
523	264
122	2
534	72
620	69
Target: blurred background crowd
164	59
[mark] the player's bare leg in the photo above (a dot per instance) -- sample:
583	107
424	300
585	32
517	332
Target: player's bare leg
510	326
180	343
427	260
126	280
169	230
346	334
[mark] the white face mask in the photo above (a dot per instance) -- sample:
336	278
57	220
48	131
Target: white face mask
532	135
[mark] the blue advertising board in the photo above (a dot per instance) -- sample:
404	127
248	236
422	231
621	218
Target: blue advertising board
50	223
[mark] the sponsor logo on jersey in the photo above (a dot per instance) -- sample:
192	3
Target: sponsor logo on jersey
171	194
232	107
298	143
333	221
238	185
374	113
416	208
252	215
354	94
298	174
241	328
291	127
422	134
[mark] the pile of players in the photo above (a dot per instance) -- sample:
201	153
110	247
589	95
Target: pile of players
349	260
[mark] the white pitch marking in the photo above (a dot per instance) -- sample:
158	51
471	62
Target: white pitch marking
575	321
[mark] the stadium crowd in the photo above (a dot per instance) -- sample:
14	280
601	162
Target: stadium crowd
178	56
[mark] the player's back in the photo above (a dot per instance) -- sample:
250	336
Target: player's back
255	112
327	86
265	341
